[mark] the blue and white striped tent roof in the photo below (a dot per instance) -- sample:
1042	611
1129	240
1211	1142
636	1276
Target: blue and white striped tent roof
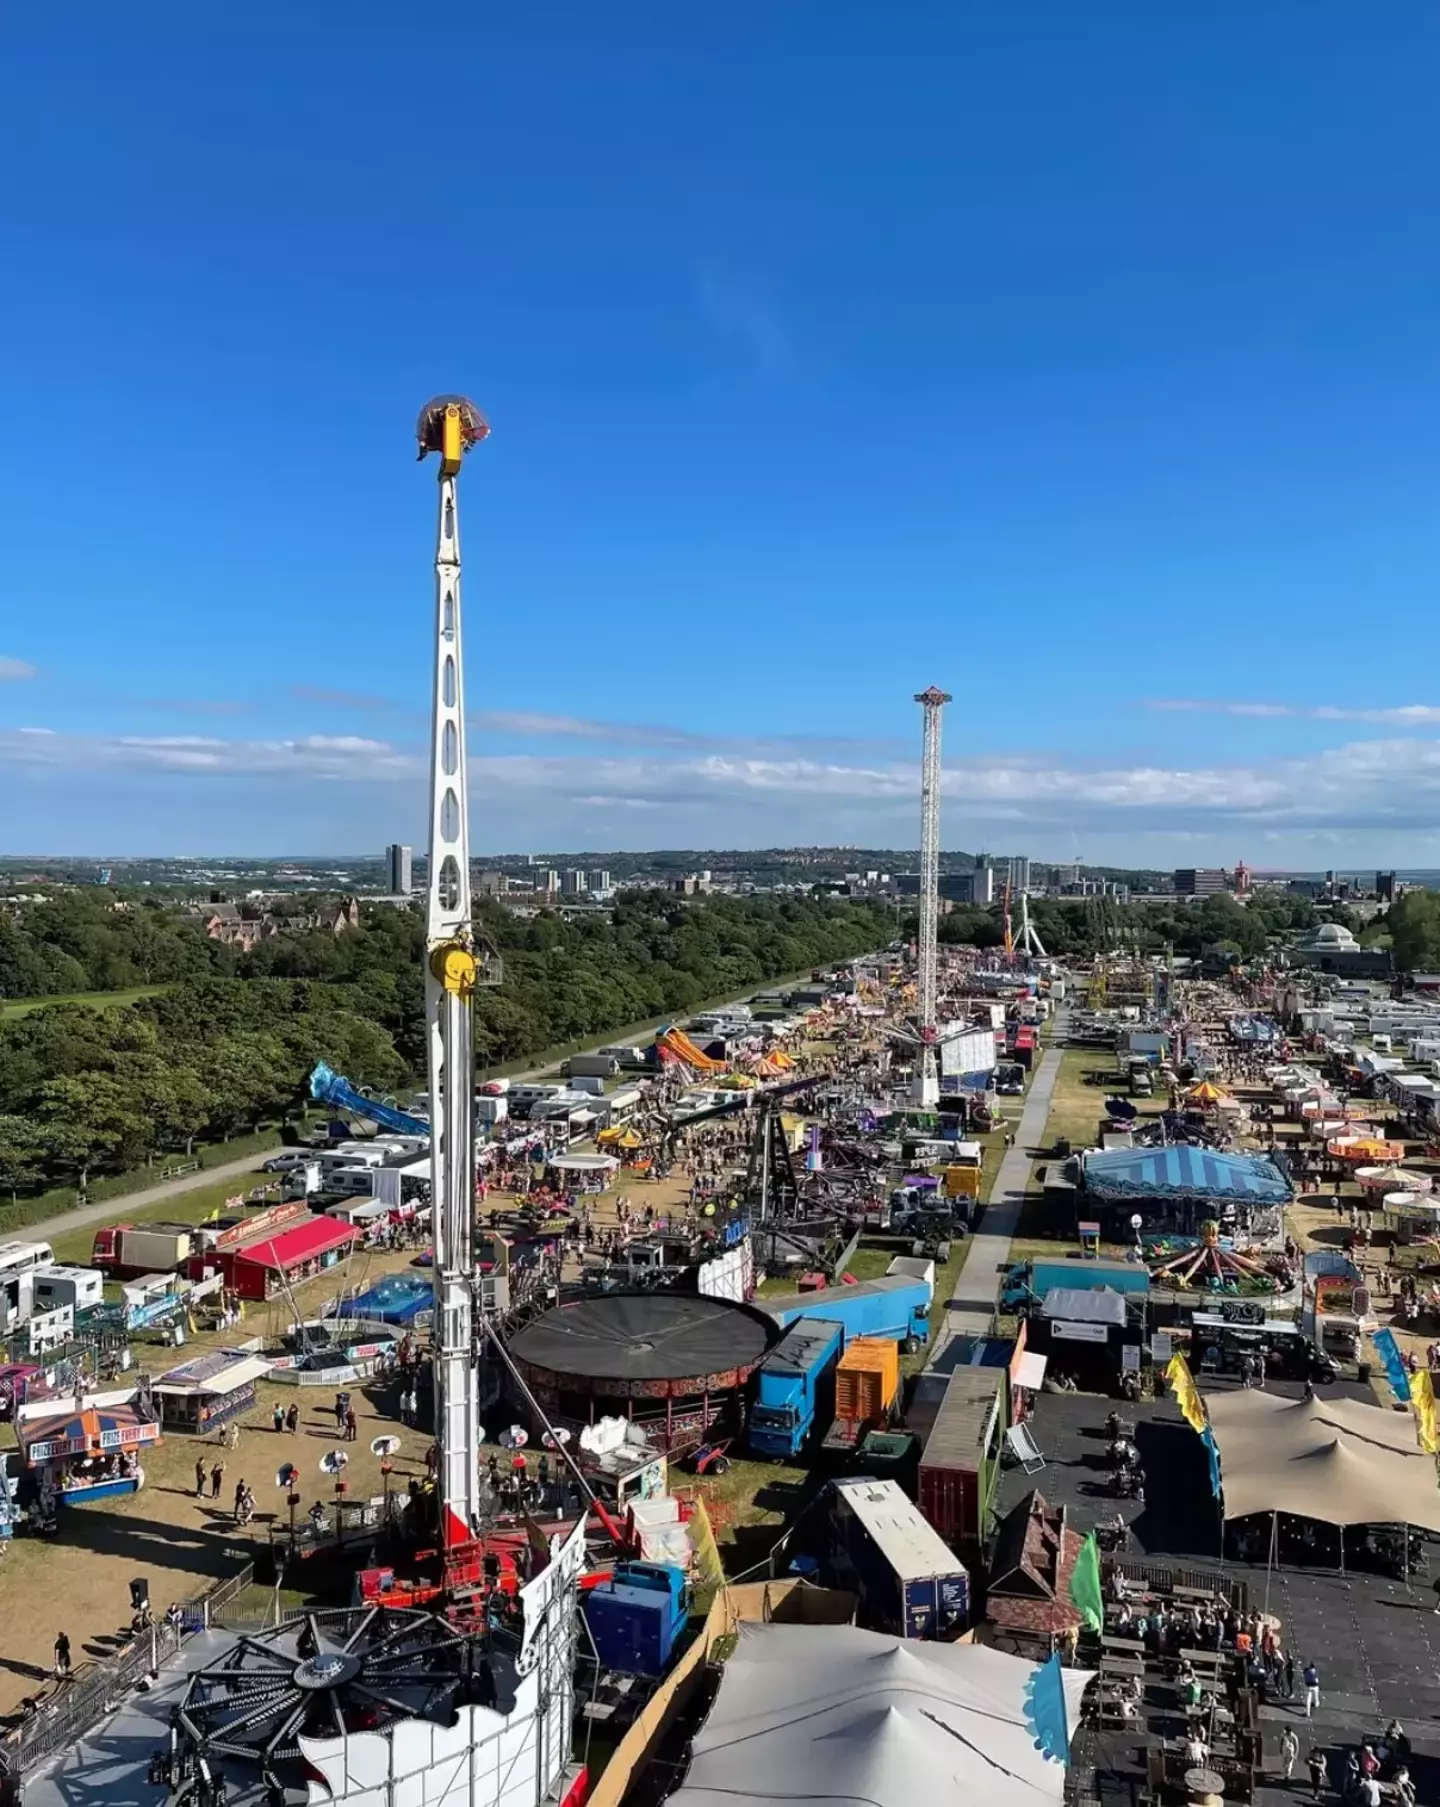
1185	1170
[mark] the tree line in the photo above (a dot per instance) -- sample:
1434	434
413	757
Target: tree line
229	1044
1081	927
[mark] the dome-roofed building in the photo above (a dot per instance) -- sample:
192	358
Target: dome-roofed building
1332	948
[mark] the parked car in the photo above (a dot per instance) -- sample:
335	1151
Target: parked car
284	1163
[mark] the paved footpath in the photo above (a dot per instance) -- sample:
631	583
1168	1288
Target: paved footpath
105	1209
972	1305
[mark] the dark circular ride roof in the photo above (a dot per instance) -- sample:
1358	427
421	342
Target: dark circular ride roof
646	1342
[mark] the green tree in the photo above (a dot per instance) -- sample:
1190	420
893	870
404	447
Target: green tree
91	1119
22	1157
1414	925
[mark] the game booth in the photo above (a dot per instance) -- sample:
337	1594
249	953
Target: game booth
208	1390
90	1454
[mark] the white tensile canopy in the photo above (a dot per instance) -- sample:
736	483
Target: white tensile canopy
830	1716
1334	1460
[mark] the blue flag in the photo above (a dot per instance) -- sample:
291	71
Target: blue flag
1212	1455
1393	1363
1045	1710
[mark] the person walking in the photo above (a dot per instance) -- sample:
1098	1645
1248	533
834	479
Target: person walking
1319	1769
292	1419
1289	1752
351	1424
279	1417
199	1477
1310	1675
217	1477
62	1656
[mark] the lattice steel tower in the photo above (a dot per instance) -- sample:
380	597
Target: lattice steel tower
927	1073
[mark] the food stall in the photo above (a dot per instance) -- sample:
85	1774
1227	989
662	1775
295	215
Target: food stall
207	1391
586	1173
87	1454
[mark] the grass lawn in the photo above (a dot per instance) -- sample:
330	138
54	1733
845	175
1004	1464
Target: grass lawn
96	1000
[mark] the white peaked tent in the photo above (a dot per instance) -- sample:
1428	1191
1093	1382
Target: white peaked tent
823	1715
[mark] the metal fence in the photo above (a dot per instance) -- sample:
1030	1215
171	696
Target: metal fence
1162	1576
67	1711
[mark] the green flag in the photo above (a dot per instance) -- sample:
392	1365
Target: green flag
1085	1592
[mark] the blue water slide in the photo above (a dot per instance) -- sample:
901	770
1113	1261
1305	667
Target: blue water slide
327	1087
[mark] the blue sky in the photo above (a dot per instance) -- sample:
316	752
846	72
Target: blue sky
1082	360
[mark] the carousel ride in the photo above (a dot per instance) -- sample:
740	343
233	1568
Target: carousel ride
1209	1264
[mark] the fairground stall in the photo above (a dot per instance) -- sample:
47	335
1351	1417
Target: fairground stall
89	1454
583	1173
209	1390
270	1263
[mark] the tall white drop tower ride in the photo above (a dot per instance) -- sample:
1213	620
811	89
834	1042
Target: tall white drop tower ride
450	426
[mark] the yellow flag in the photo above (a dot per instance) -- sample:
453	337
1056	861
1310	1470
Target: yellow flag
1187	1394
1422	1397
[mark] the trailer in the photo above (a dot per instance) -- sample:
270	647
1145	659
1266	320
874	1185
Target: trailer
791	1384
1028	1282
896	1306
960	1464
123	1250
880	1548
81	1288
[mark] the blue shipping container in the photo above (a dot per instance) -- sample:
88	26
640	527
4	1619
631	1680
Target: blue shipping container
792	1378
896	1306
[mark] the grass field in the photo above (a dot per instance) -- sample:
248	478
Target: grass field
96	1000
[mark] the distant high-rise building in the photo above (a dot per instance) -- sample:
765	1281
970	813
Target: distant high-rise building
491	882
548	882
1019	873
399	877
573	884
977	887
1385	886
1200	881
1067	875
600	881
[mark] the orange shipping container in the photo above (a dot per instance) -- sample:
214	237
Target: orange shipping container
867	1380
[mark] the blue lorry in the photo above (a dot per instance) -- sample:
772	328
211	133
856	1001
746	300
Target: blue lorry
896	1306
1028	1282
635	1617
790	1384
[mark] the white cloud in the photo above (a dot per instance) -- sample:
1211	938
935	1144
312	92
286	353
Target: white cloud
1388	784
312	756
1400	715
13	670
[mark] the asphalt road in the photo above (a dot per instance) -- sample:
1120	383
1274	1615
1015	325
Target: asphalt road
972	1305
105	1209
